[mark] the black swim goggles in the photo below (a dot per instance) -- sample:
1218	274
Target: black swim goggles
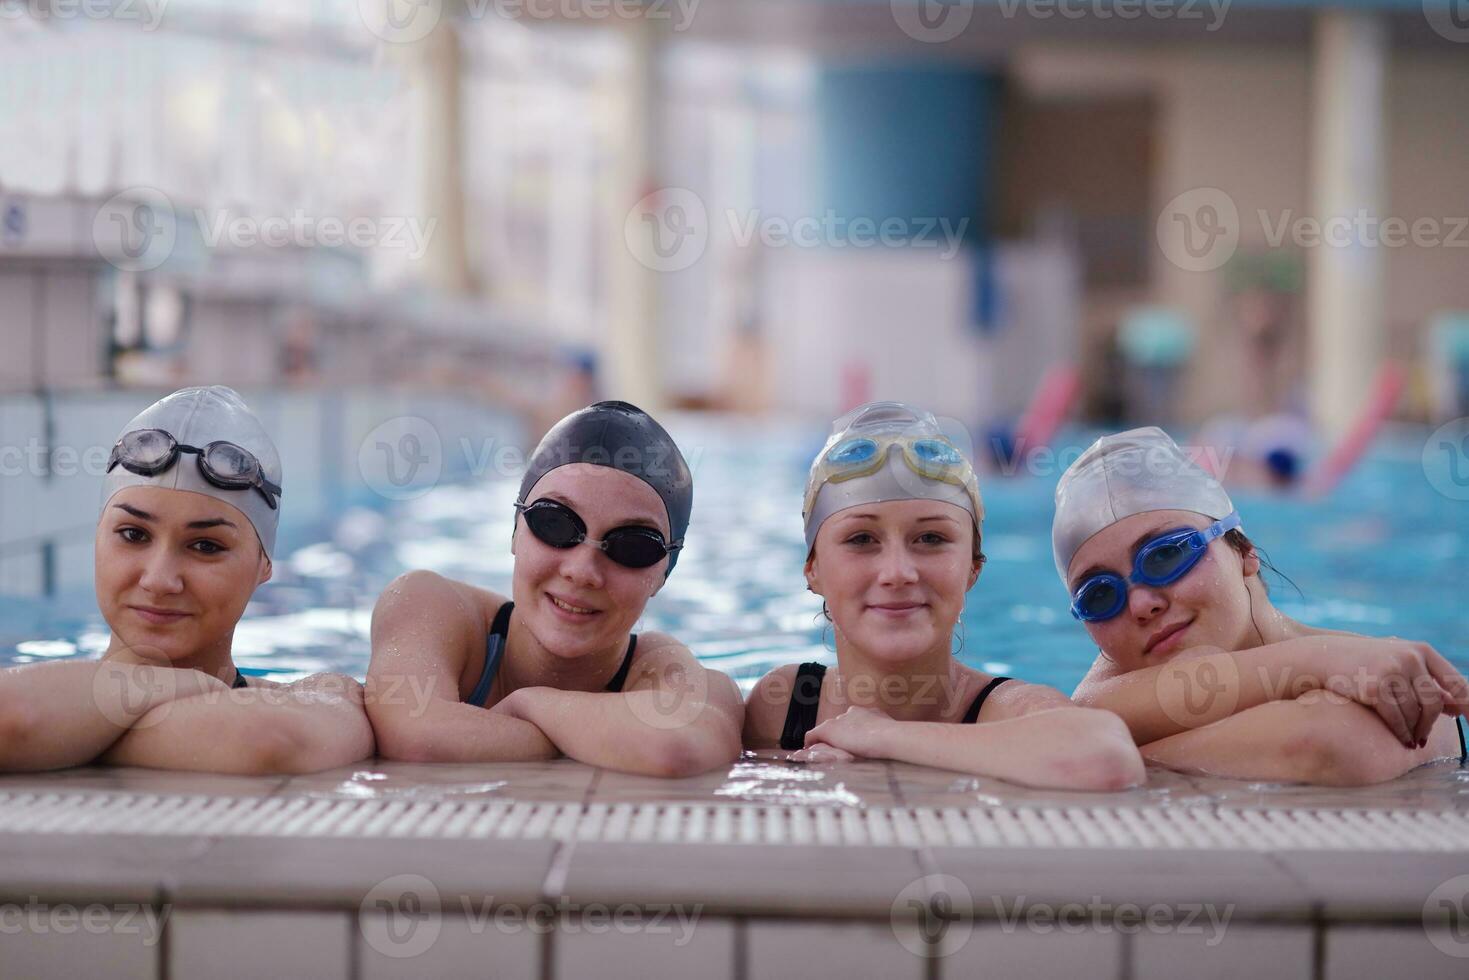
559	526
148	452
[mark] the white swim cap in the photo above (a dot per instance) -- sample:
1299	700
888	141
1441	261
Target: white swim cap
1121	475
909	445
196	417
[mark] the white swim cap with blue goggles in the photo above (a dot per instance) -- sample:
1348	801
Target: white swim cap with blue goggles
1121	475
857	465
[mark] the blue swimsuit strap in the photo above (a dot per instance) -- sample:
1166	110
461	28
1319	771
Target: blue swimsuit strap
495	652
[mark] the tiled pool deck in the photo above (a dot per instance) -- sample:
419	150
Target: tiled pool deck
767	869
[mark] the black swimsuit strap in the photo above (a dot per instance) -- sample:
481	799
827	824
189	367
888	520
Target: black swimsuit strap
972	715
239	681
805	703
619	678
1463	749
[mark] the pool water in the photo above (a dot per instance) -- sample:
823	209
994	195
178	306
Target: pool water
1385	554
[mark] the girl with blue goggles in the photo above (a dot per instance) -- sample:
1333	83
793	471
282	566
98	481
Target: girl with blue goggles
1208	675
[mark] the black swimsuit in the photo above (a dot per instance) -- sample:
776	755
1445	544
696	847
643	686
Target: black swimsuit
806	702
495	651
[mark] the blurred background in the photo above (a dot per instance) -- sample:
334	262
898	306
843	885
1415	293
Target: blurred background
413	233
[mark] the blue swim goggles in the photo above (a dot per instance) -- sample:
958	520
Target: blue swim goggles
929	457
1161	561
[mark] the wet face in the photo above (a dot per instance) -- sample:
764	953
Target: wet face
174	571
894	575
577	601
1209	606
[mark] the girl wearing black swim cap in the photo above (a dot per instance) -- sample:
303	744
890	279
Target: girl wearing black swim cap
462	674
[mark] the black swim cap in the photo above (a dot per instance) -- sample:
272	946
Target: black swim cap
625	438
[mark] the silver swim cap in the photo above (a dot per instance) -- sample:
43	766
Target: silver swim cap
197	417
1121	475
887	451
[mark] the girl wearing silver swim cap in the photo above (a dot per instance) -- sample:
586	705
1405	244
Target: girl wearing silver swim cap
601	517
186	533
1194	656
893	516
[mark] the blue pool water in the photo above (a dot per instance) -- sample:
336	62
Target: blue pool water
1385	554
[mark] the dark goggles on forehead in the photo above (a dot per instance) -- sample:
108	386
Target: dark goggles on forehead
148	452
1160	561
557	525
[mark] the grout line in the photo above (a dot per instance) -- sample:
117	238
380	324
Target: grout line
741	966
1125	965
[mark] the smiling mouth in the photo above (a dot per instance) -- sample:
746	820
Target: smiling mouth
896	607
1168	634
153	615
565	606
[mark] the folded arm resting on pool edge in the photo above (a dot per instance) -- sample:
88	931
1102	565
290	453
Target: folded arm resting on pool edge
674	718
1034	736
309	725
1318	737
1205	685
64	714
